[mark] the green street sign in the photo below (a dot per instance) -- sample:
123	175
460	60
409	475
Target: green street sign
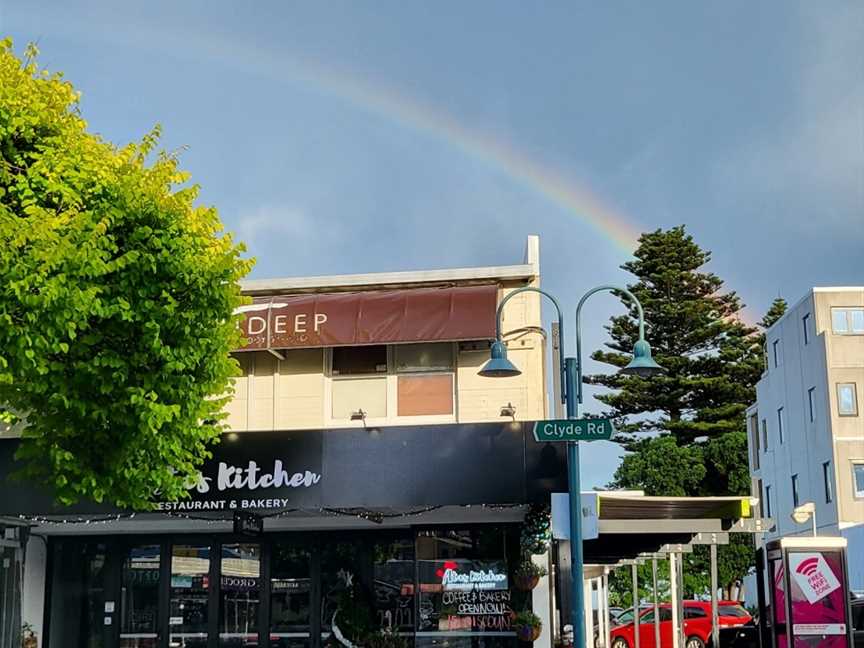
596	429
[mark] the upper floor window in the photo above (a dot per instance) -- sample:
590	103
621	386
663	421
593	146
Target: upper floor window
765	434
768	501
847	399
805	325
780	424
826	481
847	321
858	479
795	498
775	349
811	403
754	440
380	383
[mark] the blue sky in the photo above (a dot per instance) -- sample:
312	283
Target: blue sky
742	120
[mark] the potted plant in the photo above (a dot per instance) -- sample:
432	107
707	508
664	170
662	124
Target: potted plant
528	626
528	574
28	636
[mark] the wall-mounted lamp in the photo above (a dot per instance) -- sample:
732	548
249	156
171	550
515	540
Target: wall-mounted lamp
805	512
360	415
509	410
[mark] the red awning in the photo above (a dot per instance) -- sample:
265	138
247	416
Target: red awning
370	317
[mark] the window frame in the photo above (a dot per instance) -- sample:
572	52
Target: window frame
765	435
775	347
856	463
780	414
854	386
768	500
796	496
805	323
826	482
847	314
811	395
391	377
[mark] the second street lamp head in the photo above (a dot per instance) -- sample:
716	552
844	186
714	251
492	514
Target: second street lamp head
642	364
499	366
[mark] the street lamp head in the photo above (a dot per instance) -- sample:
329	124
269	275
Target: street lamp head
642	364
499	366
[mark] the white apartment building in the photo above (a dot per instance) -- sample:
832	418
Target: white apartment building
806	430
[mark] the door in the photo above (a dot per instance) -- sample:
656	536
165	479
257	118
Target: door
139	596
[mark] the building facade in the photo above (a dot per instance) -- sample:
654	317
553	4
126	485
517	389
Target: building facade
806	429
384	478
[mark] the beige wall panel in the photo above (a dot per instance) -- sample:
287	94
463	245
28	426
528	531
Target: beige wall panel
481	399
261	392
300	390
846	351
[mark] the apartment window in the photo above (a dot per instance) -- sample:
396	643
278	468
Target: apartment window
765	434
760	490
780	424
768	501
805	325
858	479
754	440
826	481
425	379
847	321
775	348
847	399
811	405
795	498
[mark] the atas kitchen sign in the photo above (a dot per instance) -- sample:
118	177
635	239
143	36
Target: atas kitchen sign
369	317
403	468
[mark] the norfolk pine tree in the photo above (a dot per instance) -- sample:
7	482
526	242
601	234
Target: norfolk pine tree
685	429
117	296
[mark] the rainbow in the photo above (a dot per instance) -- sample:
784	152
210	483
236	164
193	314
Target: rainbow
543	180
375	98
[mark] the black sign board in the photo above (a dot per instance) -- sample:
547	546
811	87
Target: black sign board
308	470
248	524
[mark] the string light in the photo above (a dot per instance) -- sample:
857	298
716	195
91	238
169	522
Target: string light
367	515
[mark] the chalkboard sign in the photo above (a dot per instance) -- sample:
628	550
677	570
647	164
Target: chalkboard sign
464	596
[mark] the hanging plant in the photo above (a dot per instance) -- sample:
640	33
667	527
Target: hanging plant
528	626
536	531
528	574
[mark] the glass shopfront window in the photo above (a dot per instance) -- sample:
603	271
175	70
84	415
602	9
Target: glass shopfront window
290	596
239	595
433	587
189	596
465	589
139	597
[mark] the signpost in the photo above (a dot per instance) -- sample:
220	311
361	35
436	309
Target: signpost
586	429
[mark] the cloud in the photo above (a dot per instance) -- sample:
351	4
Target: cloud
814	157
285	240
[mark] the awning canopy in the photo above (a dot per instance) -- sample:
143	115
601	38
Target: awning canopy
370	317
631	526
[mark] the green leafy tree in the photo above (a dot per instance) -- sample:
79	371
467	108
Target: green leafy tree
117	296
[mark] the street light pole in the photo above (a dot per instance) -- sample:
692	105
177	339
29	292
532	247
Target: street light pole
571	395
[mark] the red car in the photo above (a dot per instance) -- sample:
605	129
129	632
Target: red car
697	624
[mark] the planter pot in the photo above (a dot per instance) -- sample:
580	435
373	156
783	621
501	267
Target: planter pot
526	583
30	642
528	633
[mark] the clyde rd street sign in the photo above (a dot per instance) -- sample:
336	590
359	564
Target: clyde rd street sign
595	429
